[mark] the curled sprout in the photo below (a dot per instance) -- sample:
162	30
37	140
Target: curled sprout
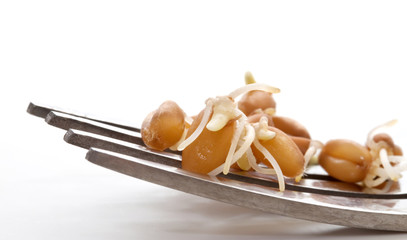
181	140
370	142
385	189
207	113
224	110
385	165
218	112
188	121
273	162
237	134
252	87
312	150
246	137
262	131
255	166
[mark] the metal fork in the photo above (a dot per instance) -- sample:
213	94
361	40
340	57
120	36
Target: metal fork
317	197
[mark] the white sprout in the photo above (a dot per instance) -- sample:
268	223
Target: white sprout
189	120
385	189
217	170
181	140
384	166
230	160
248	140
273	162
223	109
248	78
397	159
251	87
384	159
262	133
233	145
262	130
201	126
370	142
255	166
375	177
314	146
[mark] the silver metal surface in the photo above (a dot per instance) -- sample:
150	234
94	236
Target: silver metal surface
66	122
317	197
43	110
353	212
320	184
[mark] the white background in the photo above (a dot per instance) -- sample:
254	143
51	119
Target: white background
340	65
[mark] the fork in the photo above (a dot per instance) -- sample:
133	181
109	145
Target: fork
317	197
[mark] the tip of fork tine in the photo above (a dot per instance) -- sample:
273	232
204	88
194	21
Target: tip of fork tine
30	107
48	118
37	111
68	136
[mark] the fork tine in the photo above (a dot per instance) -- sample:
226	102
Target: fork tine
250	196
42	111
66	121
88	140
